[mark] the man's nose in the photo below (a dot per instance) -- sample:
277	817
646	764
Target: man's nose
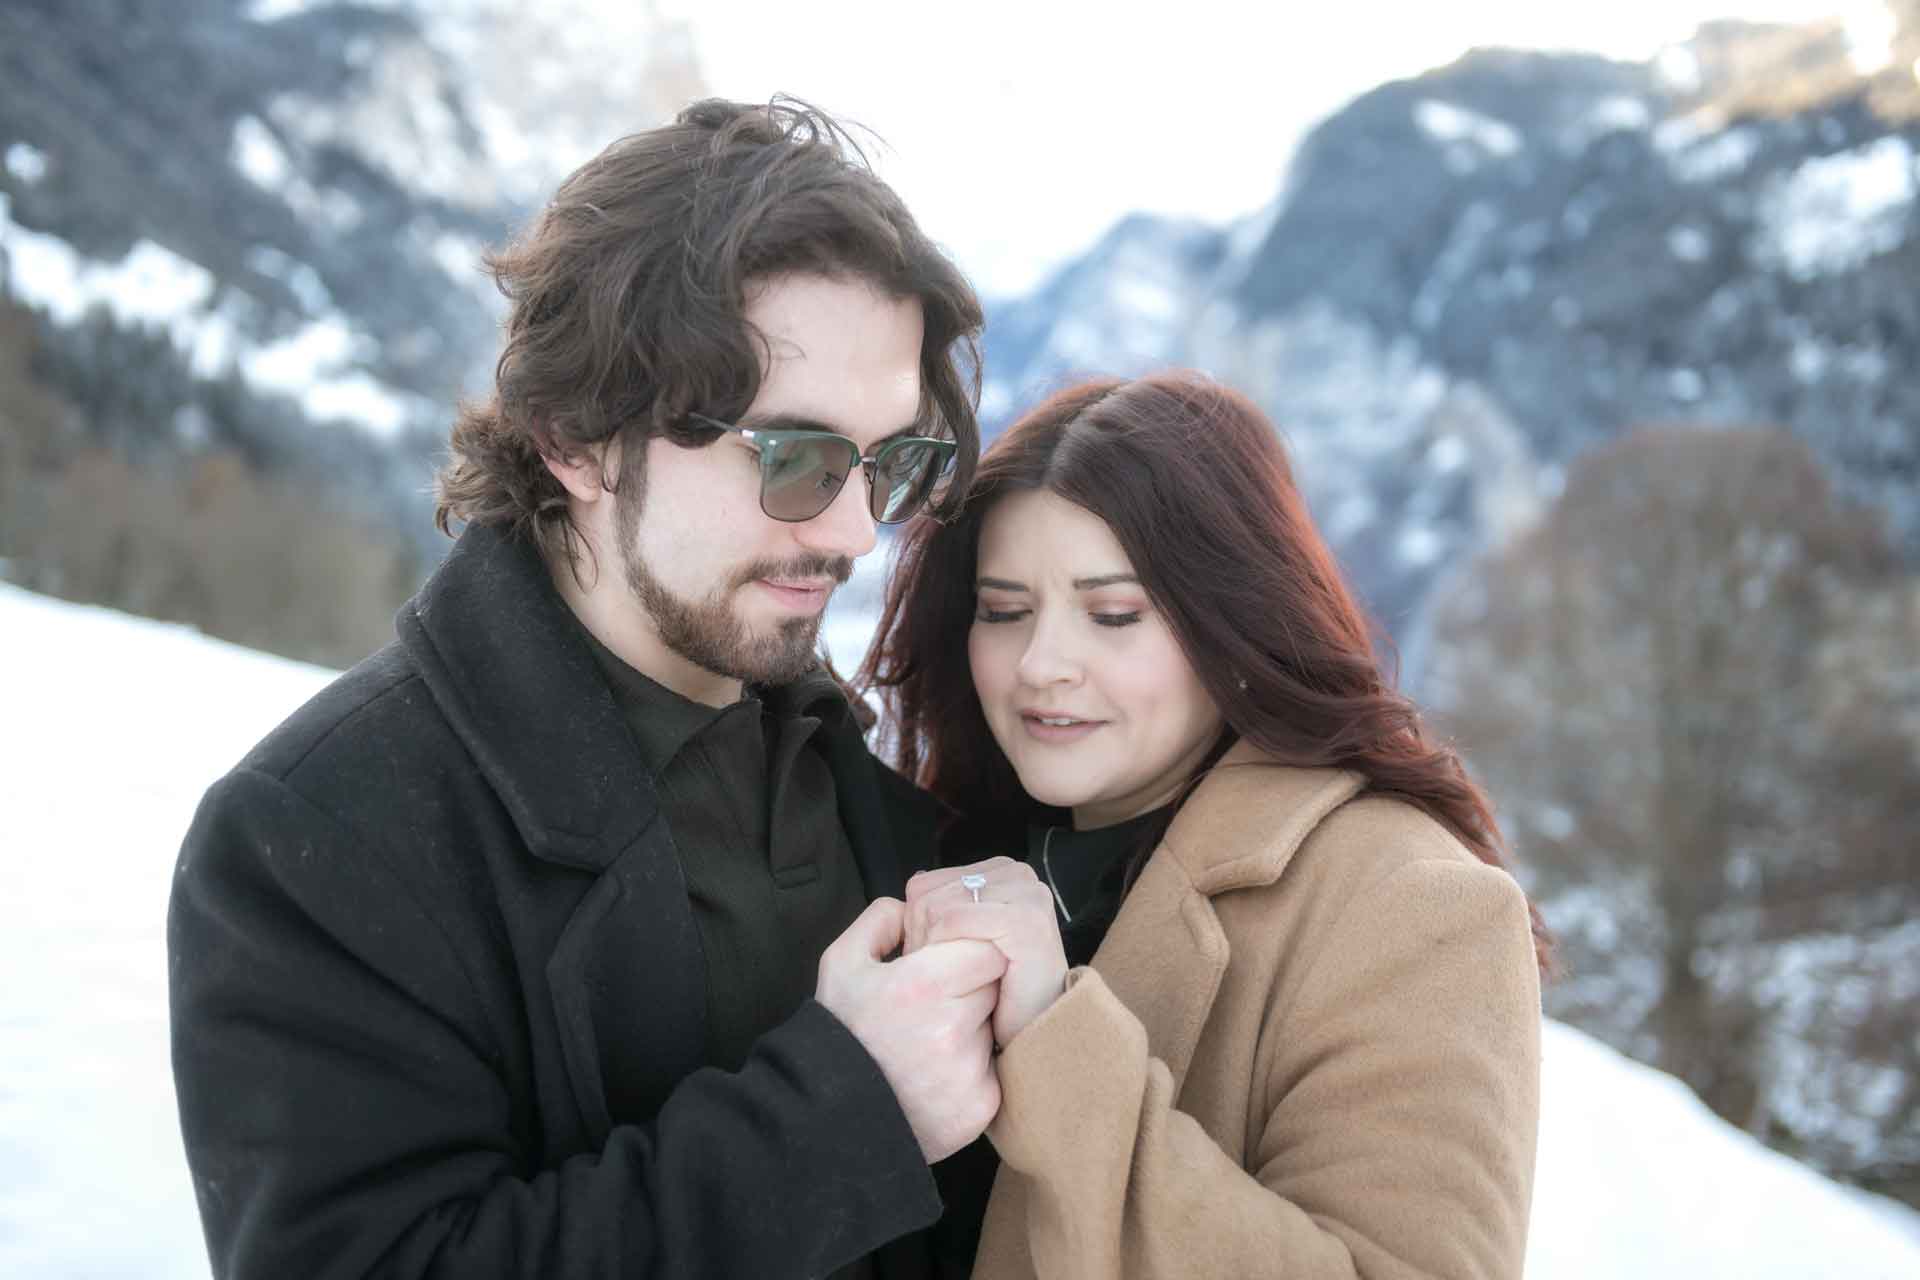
846	527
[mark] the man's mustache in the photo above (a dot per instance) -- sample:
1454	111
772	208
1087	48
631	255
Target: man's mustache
839	568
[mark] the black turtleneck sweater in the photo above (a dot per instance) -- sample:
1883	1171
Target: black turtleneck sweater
1087	872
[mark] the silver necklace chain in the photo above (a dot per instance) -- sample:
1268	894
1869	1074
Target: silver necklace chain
1046	844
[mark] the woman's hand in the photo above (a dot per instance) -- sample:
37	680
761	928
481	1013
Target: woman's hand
1015	913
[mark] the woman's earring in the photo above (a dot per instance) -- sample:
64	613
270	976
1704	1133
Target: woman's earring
1243	684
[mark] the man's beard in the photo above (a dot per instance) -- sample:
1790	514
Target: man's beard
710	635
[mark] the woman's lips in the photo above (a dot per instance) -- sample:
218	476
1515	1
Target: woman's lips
1055	728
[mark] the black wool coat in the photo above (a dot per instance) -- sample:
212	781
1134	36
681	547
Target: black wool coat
438	999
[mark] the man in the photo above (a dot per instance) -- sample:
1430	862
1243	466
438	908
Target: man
552	939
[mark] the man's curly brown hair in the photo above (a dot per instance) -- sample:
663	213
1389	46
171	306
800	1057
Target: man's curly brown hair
628	302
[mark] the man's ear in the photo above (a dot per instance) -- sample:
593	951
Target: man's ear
584	475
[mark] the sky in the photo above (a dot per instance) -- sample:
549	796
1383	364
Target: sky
1020	130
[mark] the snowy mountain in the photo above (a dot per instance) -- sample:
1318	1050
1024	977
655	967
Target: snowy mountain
228	165
1635	1178
295	194
1470	283
241	287
1472	276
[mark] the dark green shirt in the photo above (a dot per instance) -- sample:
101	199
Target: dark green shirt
750	803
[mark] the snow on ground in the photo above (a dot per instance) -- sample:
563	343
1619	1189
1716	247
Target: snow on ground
1637	1178
110	728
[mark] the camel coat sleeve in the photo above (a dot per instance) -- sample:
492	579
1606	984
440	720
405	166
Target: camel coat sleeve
1390	1129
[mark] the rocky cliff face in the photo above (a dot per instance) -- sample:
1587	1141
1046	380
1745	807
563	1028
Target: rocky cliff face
1474	275
245	152
295	195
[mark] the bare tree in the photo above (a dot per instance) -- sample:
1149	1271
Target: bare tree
1669	685
32	424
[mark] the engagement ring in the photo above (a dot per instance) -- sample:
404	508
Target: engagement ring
973	885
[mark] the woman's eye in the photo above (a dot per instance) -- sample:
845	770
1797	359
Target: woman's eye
1116	619
999	615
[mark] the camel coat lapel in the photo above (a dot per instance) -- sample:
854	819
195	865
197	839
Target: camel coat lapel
1166	953
1307	1047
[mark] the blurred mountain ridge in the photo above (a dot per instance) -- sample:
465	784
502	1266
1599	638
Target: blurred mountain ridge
242	242
1603	381
1474	275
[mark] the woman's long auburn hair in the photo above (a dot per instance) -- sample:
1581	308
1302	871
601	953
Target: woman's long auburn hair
1195	484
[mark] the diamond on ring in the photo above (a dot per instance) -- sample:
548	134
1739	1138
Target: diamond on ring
973	885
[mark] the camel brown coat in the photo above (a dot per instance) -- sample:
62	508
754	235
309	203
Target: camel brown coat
1308	1047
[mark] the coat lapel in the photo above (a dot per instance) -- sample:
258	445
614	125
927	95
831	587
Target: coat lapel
630	987
857	793
1166	953
504	660
1164	958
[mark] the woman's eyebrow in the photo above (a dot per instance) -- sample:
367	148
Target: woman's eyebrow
1079	584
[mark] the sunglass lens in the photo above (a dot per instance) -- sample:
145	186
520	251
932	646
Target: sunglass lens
799	478
904	474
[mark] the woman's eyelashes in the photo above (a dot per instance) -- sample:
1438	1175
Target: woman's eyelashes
1101	618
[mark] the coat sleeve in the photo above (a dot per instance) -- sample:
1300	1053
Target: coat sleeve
1399	1090
345	1099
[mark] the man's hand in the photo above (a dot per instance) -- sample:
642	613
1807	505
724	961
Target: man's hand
925	1018
1015	914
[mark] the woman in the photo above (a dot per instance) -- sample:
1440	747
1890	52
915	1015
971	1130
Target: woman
1300	1035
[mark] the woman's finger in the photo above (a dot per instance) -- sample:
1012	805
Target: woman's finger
994	869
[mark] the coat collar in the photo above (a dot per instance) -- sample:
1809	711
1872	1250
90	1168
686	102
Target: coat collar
508	665
503	657
1166	953
1249	816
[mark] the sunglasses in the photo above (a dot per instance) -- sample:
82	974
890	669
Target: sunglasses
801	472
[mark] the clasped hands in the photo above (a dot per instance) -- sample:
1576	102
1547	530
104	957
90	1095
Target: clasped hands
932	985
